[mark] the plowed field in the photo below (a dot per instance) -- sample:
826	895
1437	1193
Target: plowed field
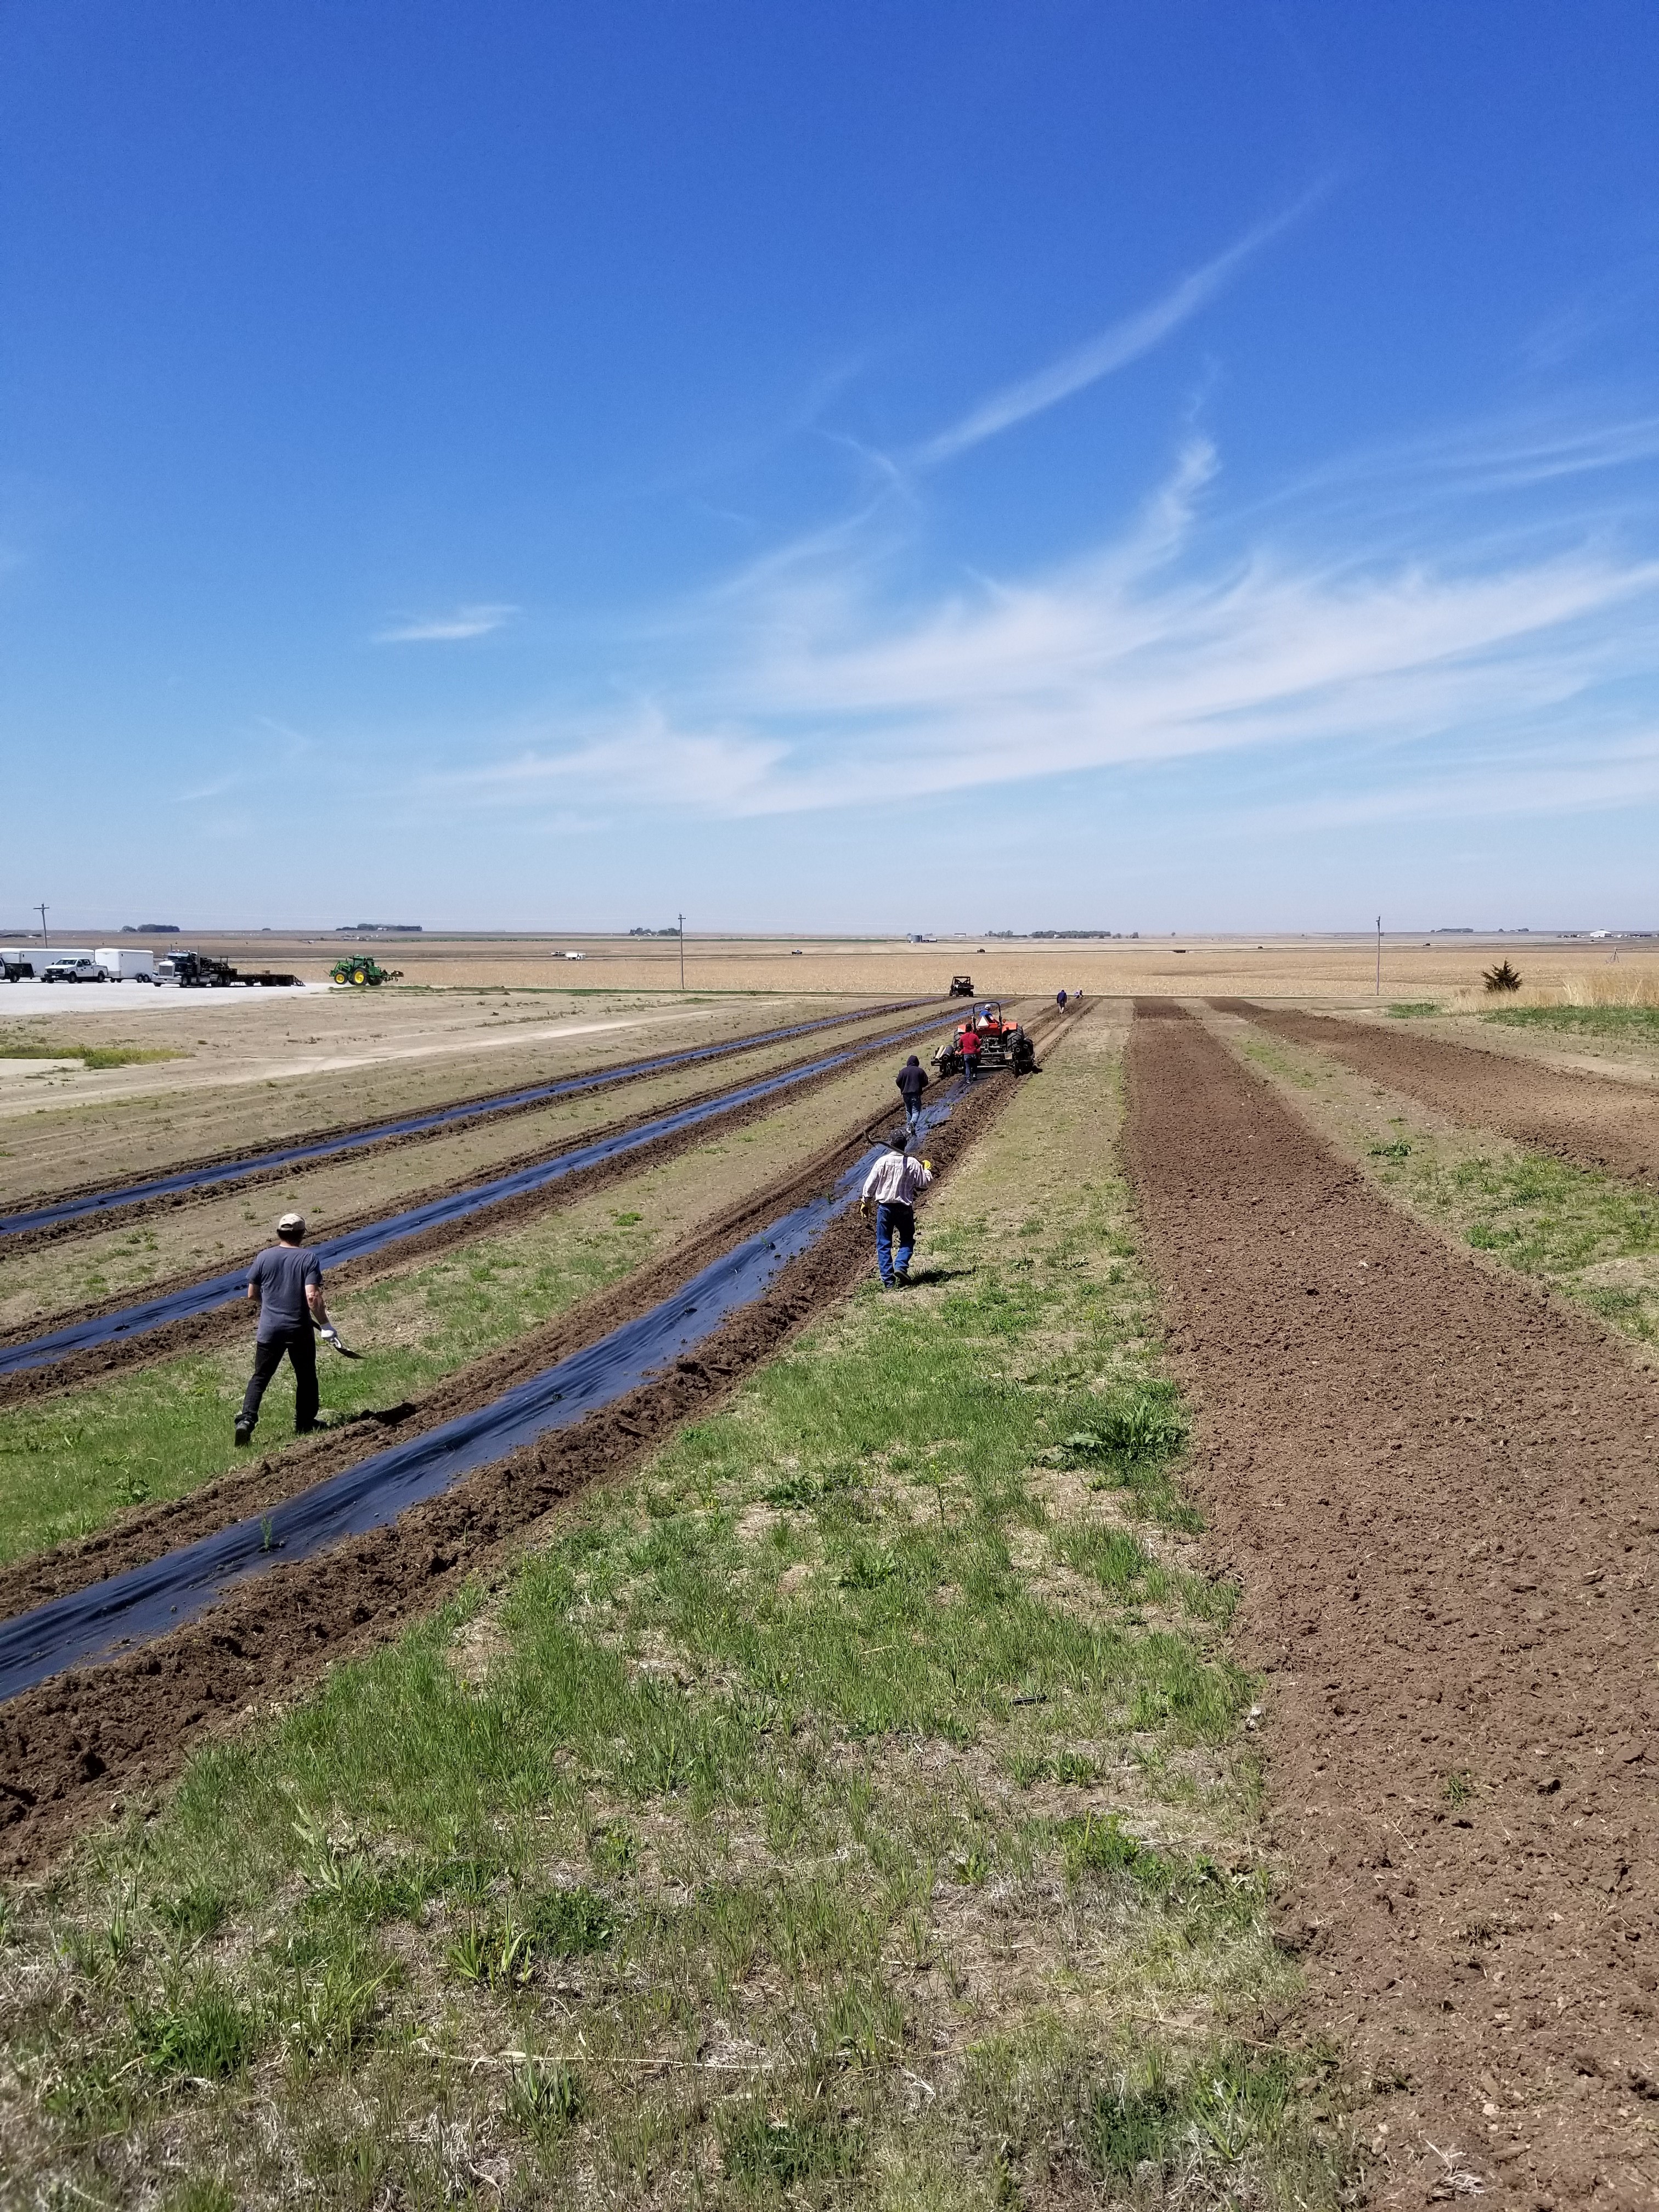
1597	1120
1438	1493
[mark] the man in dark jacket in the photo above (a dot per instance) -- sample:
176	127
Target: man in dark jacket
912	1081
286	1284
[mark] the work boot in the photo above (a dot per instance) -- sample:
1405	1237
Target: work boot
244	1432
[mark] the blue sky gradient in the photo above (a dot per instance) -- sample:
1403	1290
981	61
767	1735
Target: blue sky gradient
1178	465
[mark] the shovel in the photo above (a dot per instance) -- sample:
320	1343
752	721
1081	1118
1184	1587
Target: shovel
331	1337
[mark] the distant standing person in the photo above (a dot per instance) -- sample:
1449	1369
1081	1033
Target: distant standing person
912	1080
286	1284
970	1052
893	1183
1060	999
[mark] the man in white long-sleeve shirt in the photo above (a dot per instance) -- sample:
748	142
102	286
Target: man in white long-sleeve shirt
893	1183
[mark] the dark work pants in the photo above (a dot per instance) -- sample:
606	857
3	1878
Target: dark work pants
893	1221
300	1345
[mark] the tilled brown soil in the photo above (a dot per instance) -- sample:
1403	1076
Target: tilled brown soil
98	1739
202	1331
1599	1120
120	1217
1437	1491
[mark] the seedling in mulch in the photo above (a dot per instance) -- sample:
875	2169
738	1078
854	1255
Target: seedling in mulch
1459	1788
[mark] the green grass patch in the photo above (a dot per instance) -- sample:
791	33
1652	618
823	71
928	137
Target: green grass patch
1413	1010
68	1463
1639	1023
89	1055
1590	1235
667	1874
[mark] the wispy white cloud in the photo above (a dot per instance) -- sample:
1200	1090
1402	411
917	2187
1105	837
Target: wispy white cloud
820	683
445	629
1113	349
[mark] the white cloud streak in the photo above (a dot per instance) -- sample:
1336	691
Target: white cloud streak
800	689
446	629
1114	348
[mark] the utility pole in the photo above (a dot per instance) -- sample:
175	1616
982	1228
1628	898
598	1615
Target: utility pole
41	911
1379	956
682	922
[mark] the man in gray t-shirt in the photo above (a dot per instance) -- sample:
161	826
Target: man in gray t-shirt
286	1284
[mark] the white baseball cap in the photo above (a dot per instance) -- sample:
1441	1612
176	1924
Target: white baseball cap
291	1225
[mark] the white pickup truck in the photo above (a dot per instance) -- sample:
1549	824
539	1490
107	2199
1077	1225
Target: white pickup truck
76	971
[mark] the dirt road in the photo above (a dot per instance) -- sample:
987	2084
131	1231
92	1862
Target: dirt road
1438	1494
1595	1119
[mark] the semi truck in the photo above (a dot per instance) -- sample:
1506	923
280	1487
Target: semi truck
200	971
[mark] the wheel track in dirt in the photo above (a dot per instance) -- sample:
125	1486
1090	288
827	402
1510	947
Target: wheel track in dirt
1602	1121
227	1324
1436	1490
469	1114
98	1738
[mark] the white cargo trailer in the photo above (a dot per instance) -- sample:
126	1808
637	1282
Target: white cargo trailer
37	958
127	964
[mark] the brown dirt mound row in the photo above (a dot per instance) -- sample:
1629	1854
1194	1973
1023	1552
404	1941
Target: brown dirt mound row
120	1216
1437	1491
96	1740
202	1331
1598	1120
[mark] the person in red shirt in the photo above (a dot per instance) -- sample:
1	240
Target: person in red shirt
970	1052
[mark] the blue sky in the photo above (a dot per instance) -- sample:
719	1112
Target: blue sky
1151	466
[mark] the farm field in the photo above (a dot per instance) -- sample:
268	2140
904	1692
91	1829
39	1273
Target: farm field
923	1606
1154	1711
68	1461
252	1068
50	1274
1435	1489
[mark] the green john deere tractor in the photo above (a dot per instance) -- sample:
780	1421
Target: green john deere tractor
361	972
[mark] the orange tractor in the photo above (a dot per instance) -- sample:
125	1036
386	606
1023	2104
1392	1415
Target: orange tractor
1002	1043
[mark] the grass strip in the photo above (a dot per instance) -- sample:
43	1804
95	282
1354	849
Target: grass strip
1641	1022
853	1809
89	1055
1589	1236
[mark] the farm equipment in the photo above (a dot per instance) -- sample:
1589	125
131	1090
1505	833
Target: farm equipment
1002	1043
201	971
961	986
363	973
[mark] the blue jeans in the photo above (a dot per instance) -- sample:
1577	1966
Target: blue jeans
894	1221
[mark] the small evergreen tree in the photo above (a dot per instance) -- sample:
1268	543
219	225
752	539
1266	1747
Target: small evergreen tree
1502	978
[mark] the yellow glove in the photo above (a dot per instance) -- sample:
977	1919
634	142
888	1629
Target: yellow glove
928	1165
864	1206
